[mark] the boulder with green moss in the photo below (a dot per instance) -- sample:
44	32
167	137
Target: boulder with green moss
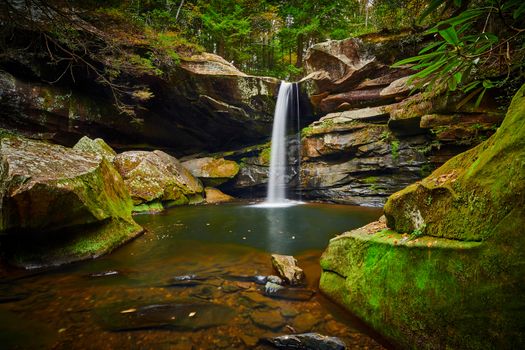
212	171
157	176
97	146
446	268
59	204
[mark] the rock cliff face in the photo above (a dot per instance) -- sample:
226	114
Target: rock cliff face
445	268
376	139
205	103
372	138
60	204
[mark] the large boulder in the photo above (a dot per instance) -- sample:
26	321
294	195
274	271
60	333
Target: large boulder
212	171
445	268
157	176
59	204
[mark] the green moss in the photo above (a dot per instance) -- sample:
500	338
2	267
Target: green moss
370	180
175	203
154	206
460	286
426	169
68	245
430	293
307	131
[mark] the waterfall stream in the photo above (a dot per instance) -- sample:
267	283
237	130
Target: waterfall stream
287	107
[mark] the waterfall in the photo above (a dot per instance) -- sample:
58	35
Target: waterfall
287	107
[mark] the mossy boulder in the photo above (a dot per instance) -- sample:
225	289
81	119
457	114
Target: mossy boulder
157	176
97	146
446	268
71	202
212	171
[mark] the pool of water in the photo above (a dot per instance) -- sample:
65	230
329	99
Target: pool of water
138	298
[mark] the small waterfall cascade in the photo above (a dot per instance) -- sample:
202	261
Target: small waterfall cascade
286	117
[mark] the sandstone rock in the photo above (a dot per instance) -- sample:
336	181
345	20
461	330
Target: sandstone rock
399	87
466	265
336	63
96	146
286	267
355	99
156	175
78	196
212	171
205	104
214	195
337	142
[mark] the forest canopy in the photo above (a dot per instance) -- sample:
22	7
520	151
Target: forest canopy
474	45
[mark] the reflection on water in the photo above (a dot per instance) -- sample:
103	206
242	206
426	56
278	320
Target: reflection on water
79	307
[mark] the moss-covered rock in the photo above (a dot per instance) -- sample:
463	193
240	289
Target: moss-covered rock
97	146
50	191
448	271
212	171
156	176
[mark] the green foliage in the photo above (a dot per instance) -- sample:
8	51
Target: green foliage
394	145
477	49
420	231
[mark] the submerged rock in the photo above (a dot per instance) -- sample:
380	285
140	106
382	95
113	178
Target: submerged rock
307	341
270	319
457	281
156	175
186	281
176	316
60	204
277	291
104	273
286	266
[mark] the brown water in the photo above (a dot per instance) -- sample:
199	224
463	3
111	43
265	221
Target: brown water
137	305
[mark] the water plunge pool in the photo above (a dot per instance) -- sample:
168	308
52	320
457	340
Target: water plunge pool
137	297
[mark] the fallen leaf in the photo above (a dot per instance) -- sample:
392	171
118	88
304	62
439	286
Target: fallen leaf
128	311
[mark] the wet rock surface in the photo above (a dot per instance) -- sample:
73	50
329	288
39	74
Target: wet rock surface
284	292
307	341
